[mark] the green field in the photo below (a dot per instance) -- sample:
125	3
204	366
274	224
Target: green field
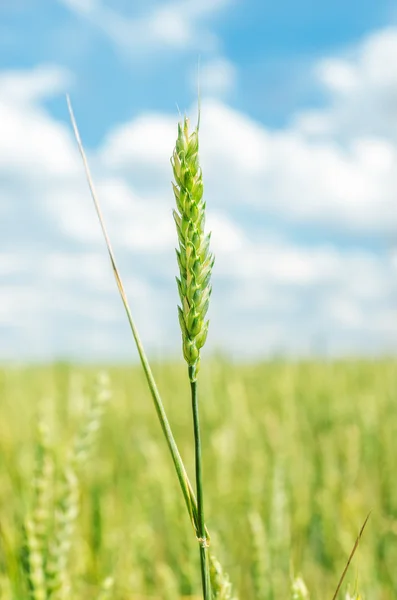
295	456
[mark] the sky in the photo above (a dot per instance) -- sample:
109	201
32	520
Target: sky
298	147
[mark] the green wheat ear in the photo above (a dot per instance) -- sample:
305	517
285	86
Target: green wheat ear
194	257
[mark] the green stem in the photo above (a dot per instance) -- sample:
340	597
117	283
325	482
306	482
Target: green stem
204	558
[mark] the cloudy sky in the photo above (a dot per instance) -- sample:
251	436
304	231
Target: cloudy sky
299	155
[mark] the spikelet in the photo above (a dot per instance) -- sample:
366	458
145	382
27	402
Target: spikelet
194	258
220	584
299	590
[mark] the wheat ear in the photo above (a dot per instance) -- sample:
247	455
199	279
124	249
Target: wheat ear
194	258
195	263
37	522
67	510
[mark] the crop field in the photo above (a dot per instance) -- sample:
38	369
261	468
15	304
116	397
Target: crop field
295	455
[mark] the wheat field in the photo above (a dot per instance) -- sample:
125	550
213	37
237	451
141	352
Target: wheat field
295	455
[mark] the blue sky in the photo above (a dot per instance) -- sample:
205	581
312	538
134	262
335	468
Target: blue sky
299	156
272	45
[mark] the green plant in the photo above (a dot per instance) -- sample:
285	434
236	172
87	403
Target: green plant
195	265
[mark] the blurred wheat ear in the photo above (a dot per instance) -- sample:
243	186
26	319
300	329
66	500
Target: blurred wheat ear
49	527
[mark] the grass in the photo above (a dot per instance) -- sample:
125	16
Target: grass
295	457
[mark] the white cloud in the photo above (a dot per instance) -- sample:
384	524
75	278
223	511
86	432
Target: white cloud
339	76
178	24
148	141
30	142
363	92
226	235
32	86
350	186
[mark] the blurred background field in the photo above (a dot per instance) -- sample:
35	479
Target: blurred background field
295	456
